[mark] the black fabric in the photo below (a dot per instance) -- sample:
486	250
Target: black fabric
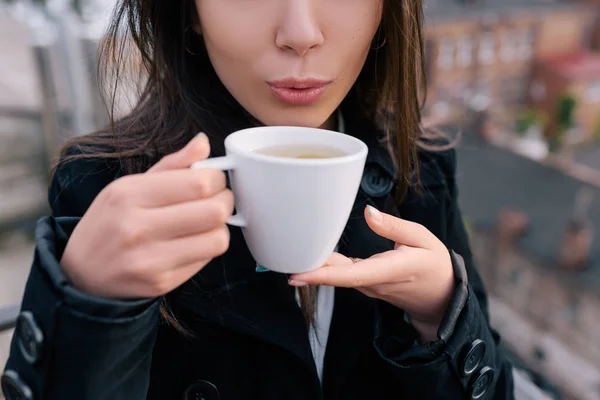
249	338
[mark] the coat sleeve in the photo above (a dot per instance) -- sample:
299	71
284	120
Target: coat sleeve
466	361
67	344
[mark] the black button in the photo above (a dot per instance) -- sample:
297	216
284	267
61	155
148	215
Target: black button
14	388
29	337
473	356
375	181
201	390
481	382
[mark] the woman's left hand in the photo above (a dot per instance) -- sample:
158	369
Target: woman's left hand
417	276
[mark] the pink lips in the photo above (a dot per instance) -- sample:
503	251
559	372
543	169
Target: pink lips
298	91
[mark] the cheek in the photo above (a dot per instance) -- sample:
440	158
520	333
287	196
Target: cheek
230	29
351	29
237	44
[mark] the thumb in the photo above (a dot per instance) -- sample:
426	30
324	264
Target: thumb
399	230
197	149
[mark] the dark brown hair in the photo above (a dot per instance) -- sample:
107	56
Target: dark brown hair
181	94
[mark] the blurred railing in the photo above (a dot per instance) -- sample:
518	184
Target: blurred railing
63	46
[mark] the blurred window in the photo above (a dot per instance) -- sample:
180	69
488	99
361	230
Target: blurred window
510	42
487	48
465	51
446	53
525	44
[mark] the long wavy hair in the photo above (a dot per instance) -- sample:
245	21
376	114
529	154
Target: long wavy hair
180	94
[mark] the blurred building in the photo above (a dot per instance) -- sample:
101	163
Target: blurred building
535	233
481	54
576	76
595	33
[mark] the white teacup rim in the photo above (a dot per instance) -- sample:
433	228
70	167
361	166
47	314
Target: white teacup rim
232	147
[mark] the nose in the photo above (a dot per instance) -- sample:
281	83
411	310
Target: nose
299	31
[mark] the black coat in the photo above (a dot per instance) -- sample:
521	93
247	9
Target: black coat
250	340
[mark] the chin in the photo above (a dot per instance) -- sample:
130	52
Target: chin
307	117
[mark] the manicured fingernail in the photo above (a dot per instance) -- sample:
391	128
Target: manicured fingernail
260	268
374	214
297	283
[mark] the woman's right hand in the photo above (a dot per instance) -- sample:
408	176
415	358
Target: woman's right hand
146	234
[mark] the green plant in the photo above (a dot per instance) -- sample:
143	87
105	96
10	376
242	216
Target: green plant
528	118
565	120
566	112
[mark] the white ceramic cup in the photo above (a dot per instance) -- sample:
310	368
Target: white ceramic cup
292	211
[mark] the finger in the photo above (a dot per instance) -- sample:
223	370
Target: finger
191	249
168	187
197	149
193	217
338	259
399	230
364	273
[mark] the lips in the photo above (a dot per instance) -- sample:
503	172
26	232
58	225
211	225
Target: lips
298	91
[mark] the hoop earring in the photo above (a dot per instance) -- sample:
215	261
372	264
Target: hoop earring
185	41
380	46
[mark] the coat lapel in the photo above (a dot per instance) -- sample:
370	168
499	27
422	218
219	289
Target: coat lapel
351	331
230	293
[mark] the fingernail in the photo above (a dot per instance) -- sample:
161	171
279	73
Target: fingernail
260	268
374	214
297	283
199	135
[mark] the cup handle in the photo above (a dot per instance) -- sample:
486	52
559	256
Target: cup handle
224	164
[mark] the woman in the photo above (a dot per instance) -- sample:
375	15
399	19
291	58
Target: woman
139	289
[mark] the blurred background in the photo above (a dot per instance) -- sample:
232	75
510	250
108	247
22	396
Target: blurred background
518	79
